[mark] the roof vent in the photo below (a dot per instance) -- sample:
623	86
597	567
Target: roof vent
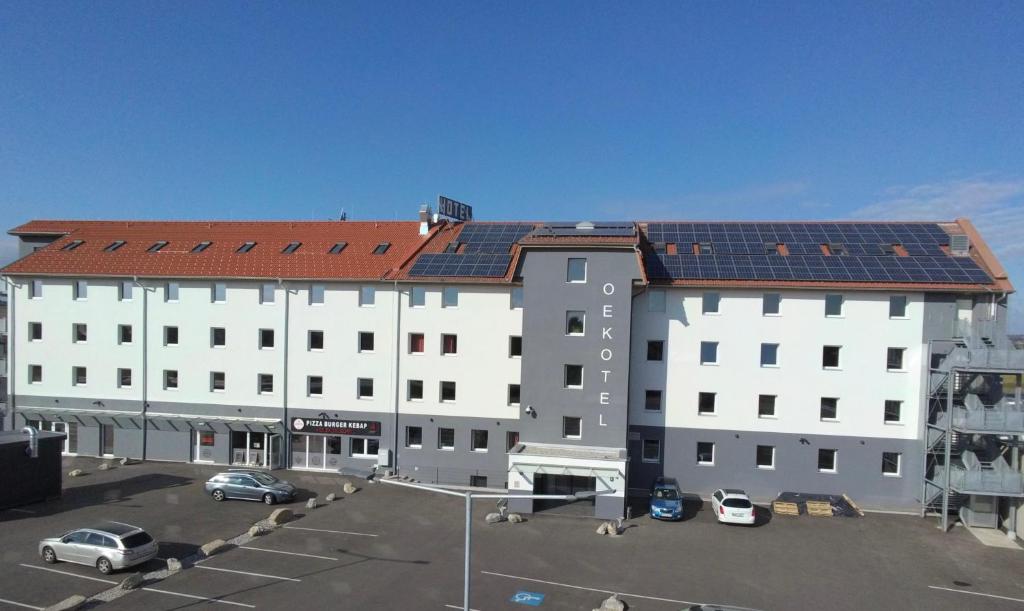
959	245
585	226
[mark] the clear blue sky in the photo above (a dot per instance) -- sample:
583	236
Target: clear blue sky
526	110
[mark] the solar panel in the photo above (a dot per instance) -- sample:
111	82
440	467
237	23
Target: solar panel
602	229
451	264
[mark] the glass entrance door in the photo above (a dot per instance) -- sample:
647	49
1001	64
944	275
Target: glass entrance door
299	451
107	439
249	449
320	452
203	442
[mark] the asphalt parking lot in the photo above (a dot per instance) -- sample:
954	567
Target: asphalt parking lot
391	548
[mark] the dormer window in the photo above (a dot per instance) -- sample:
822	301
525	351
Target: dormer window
157	246
660	248
837	249
771	248
114	246
887	249
337	248
705	248
452	247
73	244
292	247
244	248
200	247
382	248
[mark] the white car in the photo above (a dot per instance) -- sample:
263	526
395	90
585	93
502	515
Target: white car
733	506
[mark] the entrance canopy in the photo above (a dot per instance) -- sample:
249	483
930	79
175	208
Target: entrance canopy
85	417
202	422
535	469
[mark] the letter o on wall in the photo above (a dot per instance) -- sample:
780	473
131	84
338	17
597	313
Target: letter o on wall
608	288
606	354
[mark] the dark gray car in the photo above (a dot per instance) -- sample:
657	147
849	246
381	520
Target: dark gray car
250	486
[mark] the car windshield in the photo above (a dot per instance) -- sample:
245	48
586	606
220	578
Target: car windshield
737	503
265	478
136	540
665	493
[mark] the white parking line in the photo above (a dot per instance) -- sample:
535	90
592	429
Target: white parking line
43	568
214	568
460	607
212	600
1016	600
16	604
277	551
337	532
23	511
566	585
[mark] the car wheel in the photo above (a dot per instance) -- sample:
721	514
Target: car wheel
269	499
49	556
104	566
218	495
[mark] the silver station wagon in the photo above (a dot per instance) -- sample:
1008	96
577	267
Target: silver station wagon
108	547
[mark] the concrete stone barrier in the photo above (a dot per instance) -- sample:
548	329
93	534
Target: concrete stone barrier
281	516
68	604
131	582
213	547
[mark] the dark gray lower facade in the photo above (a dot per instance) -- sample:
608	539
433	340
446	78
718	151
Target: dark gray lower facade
460	465
858	470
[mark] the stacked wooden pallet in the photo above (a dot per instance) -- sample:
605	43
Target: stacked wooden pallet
784	508
821	509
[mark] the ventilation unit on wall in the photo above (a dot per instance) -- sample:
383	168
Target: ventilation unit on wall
959	245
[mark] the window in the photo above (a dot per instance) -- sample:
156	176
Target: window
705	403
417	297
511	440
416	343
35	374
337	248
710	303
367	296
171	292
157	246
124	334
652	400
575	322
447	392
830	357
478	440
290	248
576	270
125	289
364	388
766	406
709	353
837	249
450	297
769	355
35	331
414	437
833	305
652	450
827	460
124	378
170	336
35	289
73	244
366	341
449	343
81	376
572	427
81	290
894	359
381	248
316	294
893	412
170	379
244	248
266	383
705	248
705	453
217	381
897	306
829	408
770	303
516	298
218	292
513	394
315	386
79	333
891	464
360	447
218	337
266	339
445	439
765	458
267	294
200	247
574	376
316	340
771	248
655	301
415	390
655	350
515	346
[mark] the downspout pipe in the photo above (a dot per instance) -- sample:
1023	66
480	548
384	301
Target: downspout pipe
287	445
397	368
12	329
145	365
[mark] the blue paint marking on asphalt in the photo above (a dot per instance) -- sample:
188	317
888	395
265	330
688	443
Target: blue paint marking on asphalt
531	599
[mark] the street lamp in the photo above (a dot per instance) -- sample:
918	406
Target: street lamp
469	496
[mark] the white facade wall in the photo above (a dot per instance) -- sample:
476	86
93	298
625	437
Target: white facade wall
862	383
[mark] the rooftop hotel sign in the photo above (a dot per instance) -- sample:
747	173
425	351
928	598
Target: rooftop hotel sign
453	209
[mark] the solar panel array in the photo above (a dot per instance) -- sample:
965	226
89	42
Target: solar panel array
493	239
927	234
485	252
615	229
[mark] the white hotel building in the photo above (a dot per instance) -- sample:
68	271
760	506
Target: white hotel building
535	357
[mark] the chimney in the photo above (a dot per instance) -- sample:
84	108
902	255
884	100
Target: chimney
425	217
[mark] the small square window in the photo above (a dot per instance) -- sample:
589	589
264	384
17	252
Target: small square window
765	458
124	378
337	248
513	394
572	427
891	464
449	343
515	346
171	292
417	297
447	392
573	376
219	292
710	303
35	289
414	437
575	322
833	305
894	359
364	388
35	374
652	450
511	440
770	304
266	383
445	439
170	379
170	336
366	341
316	340
706	403
367	296
200	247
125	290
217	381
267	294
315	386
827	460
769	355
655	300
478	440
381	248
709	353
79	333
898	306
516	298
218	337
766	406
80	376
655	350
266	339
652	400
450	297
576	270
893	412
416	343
705	453
124	334
81	290
316	294
415	390
35	331
829	408
830	357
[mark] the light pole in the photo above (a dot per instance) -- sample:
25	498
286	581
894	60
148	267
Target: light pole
469	496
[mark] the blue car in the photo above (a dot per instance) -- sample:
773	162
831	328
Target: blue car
666	499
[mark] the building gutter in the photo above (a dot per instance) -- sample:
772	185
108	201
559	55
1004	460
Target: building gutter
11	335
286	446
396	364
